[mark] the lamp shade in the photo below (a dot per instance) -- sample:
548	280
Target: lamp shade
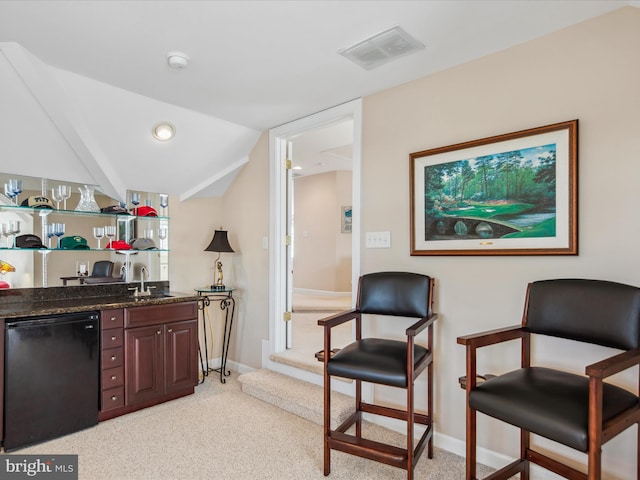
219	242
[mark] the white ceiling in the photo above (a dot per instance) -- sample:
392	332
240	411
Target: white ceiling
254	65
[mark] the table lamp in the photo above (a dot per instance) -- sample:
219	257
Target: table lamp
219	243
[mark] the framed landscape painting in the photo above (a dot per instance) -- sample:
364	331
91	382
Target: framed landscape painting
512	194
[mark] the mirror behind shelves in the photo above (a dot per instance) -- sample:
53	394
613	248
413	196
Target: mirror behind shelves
60	267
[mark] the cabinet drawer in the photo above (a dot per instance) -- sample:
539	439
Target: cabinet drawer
112	338
112	398
112	377
112	318
112	357
155	314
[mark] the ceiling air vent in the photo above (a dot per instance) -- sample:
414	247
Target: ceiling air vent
382	48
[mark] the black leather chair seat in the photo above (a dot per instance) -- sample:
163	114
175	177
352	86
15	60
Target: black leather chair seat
547	402
375	360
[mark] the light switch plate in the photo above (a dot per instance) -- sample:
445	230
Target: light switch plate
378	240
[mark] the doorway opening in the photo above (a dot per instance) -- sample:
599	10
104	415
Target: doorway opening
314	254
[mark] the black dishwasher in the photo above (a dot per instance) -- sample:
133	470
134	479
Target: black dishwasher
51	377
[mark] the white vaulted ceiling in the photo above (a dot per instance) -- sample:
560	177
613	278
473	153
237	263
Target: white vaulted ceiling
83	82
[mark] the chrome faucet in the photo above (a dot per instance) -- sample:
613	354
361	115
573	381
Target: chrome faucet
143	271
142	292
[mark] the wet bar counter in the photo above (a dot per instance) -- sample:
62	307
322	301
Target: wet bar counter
22	302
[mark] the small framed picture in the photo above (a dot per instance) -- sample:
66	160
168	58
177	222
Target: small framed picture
346	220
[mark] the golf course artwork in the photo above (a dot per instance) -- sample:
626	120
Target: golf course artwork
512	194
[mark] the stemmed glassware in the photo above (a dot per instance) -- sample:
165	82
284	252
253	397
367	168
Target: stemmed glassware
65	194
58	230
56	197
110	232
4	228
50	232
135	199
9	193
164	203
98	233
14	229
162	235
15	185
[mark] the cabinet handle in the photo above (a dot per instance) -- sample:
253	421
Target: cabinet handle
114	398
170	330
113	319
113	358
159	332
113	338
113	377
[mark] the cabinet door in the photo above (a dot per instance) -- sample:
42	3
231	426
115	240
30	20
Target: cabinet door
144	361
182	355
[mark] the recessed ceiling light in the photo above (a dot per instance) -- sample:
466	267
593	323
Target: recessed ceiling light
163	131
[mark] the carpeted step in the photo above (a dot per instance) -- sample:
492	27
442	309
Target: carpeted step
296	396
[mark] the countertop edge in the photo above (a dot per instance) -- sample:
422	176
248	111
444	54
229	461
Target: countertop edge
74	305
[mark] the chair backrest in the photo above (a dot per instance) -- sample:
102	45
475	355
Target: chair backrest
401	294
102	268
593	311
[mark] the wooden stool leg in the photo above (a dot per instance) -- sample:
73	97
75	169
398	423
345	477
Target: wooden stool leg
471	443
327	423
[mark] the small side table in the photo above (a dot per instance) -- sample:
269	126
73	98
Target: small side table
227	305
80	278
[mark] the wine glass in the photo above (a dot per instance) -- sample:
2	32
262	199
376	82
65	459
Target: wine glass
110	233
164	203
162	235
15	185
4	228
8	192
58	230
65	194
50	232
55	196
14	229
135	199
98	233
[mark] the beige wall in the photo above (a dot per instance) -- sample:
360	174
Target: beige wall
590	72
246	214
322	253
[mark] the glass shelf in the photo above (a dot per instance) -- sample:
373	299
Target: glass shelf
80	250
54	211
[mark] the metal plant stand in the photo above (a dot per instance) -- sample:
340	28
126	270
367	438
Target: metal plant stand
228	306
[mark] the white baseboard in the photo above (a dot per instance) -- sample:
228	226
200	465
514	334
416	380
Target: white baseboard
445	442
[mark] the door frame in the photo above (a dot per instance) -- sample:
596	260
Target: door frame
278	204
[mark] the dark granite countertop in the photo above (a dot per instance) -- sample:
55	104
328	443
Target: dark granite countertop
56	300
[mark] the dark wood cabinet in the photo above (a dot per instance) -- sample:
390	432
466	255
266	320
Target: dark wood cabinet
145	363
161	348
181	356
111	362
160	360
149	356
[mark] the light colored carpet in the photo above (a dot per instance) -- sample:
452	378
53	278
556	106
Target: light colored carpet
296	396
320	301
308	338
220	433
